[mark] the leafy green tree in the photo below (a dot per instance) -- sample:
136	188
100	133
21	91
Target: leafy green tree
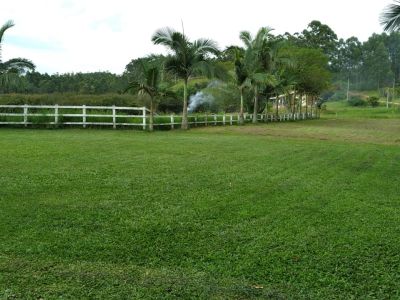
320	36
392	43
11	69
376	62
311	75
187	59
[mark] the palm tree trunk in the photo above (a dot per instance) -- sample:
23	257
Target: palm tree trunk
301	103
185	105
255	111
306	106
294	102
241	118
151	121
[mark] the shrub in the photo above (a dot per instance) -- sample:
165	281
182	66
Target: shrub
373	101
357	101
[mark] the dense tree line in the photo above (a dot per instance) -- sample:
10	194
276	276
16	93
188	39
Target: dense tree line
81	83
372	64
250	77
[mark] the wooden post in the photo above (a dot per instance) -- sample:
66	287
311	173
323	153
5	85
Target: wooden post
25	115
215	119
206	121
144	117
114	117
56	114
84	115
231	120
195	121
172	121
223	119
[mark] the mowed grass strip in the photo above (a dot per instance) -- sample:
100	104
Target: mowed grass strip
242	215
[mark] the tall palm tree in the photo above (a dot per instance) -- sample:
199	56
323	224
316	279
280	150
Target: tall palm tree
147	80
258	62
390	17
186	60
237	56
10	69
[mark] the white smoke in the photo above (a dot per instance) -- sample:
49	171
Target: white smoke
198	99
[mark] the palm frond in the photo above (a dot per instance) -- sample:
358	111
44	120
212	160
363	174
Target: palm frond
264	79
204	46
133	86
246	38
390	18
261	37
3	28
163	36
170	38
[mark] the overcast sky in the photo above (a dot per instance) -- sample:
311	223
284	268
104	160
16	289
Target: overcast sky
96	35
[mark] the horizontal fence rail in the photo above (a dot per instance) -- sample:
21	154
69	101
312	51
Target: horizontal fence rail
59	115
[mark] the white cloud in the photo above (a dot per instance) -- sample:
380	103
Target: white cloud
89	35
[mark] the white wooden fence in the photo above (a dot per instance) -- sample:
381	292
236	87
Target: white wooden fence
115	116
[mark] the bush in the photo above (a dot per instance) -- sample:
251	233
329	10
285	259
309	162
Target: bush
356	101
373	101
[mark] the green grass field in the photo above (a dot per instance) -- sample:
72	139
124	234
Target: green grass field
278	211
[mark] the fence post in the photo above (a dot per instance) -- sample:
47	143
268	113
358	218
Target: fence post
206	121
144	118
84	115
195	121
114	117
231	120
56	114
172	122
26	115
215	120
223	119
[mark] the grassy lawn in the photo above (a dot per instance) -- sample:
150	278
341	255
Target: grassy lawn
292	210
